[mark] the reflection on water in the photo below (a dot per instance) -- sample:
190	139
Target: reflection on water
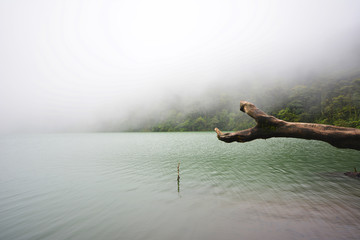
178	177
122	186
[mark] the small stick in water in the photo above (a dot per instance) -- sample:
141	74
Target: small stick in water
178	178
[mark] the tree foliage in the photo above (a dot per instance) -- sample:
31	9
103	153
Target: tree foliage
336	103
329	102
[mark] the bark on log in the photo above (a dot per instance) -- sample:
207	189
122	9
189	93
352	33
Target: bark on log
268	126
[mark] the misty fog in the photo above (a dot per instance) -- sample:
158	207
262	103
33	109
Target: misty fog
80	65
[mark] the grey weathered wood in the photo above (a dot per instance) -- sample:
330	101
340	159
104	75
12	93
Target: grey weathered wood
268	126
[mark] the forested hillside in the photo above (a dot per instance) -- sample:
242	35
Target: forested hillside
335	102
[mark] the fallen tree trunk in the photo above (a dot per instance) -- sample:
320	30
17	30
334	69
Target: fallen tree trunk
268	126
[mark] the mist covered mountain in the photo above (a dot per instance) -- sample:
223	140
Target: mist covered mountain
335	101
71	66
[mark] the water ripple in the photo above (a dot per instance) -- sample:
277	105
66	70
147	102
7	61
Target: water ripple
124	186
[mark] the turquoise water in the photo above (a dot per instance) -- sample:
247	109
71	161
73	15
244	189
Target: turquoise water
124	186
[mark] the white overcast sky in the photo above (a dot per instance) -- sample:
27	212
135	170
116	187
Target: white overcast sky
68	64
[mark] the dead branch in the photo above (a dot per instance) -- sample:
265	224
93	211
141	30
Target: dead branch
268	126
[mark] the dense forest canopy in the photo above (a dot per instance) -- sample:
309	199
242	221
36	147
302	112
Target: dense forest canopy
334	102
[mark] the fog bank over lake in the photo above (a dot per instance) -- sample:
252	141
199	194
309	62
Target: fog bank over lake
77	66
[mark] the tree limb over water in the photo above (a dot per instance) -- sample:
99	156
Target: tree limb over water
268	126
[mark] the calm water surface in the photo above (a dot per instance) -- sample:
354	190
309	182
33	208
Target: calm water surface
124	186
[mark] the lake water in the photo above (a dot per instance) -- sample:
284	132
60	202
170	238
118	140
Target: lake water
124	186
